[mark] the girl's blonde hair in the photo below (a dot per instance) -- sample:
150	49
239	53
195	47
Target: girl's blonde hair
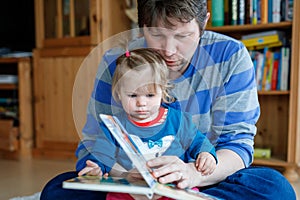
137	60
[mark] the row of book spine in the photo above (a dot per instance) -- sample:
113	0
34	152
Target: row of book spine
272	68
240	12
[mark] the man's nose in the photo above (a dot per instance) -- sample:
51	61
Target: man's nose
169	47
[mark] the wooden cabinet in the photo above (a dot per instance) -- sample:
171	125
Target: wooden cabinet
61	23
66	32
278	126
16	126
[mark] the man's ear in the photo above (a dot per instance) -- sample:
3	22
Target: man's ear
206	20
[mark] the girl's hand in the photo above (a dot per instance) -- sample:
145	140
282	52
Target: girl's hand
92	169
205	163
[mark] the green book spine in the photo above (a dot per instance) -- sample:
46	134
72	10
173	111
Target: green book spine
217	13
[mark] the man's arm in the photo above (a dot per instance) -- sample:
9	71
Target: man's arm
170	169
228	163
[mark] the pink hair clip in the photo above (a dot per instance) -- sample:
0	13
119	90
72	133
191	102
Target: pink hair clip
127	53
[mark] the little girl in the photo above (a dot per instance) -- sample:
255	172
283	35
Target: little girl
141	86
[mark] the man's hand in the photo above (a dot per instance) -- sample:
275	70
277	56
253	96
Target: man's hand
170	169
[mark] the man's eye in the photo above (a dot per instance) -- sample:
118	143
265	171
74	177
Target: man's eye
182	36
156	35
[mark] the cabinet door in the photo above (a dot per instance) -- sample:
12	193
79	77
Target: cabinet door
53	85
62	23
71	18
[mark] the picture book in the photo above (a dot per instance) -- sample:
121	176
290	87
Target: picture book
149	186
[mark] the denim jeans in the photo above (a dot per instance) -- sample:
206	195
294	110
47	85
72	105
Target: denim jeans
254	183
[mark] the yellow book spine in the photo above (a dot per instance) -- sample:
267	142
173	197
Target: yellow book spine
265	40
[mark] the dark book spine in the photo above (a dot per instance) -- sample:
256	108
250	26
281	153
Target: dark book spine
241	12
249	11
233	12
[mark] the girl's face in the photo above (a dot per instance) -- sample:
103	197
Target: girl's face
139	96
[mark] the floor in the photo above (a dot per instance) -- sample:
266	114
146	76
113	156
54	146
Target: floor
27	177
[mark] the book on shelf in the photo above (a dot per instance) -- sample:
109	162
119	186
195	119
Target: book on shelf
217	16
262	39
264	11
271	68
148	187
284	68
233	12
8	79
288	10
239	12
16	54
262	153
276	9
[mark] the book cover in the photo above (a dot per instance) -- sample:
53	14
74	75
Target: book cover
270	11
241	12
147	187
254	12
258	11
264	33
276	11
284	72
264	11
217	13
289	10
259	60
112	184
249	11
270	38
233	12
275	73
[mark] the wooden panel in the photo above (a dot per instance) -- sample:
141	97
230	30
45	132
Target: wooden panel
25	106
66	52
273	125
8	136
39	22
294	125
95	21
113	10
63	42
21	138
54	78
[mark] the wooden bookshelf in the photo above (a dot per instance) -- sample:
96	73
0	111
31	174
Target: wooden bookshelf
19	140
278	126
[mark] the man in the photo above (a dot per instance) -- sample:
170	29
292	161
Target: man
215	82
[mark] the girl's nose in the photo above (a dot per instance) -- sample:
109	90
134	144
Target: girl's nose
141	101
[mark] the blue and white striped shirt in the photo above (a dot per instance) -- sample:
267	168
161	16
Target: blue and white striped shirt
218	89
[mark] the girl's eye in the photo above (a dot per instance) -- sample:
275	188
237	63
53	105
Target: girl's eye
150	95
132	95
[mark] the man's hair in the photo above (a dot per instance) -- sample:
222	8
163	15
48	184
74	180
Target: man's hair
152	11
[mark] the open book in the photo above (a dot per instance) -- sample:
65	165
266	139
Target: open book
147	187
